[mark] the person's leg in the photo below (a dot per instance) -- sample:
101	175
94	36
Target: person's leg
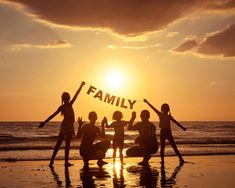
144	146
173	144
114	154
67	149
134	151
162	141
56	148
121	154
99	149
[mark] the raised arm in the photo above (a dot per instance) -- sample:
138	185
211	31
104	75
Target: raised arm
178	124
105	123
151	106
102	134
130	125
50	117
77	93
80	124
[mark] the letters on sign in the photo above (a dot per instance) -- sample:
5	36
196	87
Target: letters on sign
110	99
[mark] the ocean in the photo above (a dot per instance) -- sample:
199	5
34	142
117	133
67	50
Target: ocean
25	141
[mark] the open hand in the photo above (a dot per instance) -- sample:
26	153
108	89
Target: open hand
83	83
80	122
134	115
104	120
145	100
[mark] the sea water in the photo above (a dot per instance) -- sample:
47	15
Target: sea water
25	141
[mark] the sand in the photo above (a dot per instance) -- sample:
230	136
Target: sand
201	171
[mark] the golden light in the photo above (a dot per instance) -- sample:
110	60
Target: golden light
114	80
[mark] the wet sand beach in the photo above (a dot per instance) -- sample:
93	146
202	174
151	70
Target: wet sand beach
200	171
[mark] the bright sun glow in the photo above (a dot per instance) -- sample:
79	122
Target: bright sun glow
114	80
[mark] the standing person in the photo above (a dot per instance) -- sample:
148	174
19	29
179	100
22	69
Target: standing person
88	133
147	138
165	119
118	138
67	127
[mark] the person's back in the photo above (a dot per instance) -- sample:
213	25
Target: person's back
146	130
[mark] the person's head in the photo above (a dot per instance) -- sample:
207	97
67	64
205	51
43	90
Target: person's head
165	108
65	98
145	115
92	116
117	115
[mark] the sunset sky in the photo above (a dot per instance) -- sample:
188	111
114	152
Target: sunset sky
178	52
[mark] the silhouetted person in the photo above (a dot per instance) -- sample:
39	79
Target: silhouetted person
147	138
67	127
88	133
118	138
165	118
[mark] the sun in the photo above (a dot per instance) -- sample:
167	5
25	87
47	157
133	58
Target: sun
114	80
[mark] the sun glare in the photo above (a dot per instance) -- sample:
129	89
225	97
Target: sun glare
114	80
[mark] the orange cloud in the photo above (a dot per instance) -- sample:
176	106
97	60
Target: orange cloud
219	43
127	17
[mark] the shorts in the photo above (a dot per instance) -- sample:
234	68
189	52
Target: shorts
166	134
67	129
118	142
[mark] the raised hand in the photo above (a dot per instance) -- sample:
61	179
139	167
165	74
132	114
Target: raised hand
83	83
80	122
104	120
145	100
133	115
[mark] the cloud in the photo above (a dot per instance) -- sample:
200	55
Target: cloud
52	44
114	47
186	46
172	34
219	43
126	17
20	29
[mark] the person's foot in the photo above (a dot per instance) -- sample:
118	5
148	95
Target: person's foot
68	164
51	164
101	162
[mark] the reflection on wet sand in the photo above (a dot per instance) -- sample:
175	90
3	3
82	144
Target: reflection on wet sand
57	178
118	178
89	175
170	181
148	177
118	175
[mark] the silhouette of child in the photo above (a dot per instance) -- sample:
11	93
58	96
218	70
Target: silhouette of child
118	138
147	138
88	133
165	118
67	127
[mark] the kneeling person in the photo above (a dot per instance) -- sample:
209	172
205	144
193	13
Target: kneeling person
88	133
147	140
